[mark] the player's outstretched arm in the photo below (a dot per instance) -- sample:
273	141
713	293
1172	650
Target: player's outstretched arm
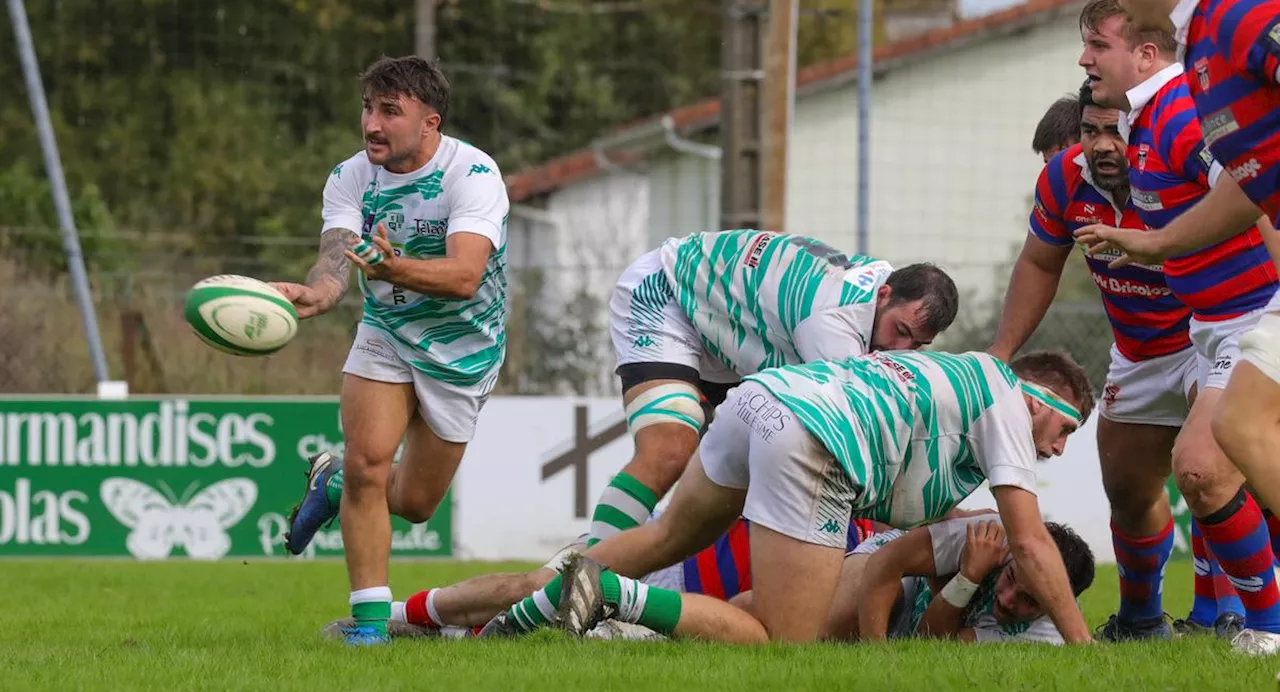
1224	212
327	280
882	579
1039	563
1032	286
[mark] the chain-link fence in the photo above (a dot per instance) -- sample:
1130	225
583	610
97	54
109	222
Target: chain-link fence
196	138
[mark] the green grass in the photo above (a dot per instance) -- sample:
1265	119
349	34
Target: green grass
235	625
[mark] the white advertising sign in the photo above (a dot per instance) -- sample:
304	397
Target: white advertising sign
532	474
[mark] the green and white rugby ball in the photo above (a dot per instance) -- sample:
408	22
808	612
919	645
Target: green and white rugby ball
240	315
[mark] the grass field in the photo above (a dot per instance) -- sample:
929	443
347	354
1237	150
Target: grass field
105	625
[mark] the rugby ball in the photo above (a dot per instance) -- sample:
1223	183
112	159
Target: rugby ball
240	315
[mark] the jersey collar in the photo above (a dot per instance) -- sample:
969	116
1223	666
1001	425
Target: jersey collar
1140	95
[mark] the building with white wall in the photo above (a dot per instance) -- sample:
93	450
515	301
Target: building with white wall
952	115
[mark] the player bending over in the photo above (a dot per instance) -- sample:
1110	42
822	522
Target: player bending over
691	318
423	216
901	438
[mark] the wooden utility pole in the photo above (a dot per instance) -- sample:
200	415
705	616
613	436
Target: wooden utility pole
424	29
779	109
741	121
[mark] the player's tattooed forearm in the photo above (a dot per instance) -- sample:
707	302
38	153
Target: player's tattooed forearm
332	264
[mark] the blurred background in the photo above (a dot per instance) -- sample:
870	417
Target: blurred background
195	139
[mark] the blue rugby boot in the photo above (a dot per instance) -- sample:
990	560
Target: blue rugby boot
319	506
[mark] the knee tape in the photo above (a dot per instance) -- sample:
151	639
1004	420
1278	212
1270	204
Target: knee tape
1261	346
668	403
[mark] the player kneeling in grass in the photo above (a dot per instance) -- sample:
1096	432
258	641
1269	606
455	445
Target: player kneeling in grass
901	438
955	578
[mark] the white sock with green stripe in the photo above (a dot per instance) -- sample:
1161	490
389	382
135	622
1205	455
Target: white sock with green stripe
625	504
537	610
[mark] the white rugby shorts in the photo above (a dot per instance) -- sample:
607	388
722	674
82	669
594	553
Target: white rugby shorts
1218	344
1152	391
450	411
794	485
646	323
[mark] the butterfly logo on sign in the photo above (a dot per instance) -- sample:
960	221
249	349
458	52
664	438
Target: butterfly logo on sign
162	522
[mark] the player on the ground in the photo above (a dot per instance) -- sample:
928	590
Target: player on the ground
1231	54
423	216
897	437
1058	129
689	319
953	579
1153	366
1227	286
722	570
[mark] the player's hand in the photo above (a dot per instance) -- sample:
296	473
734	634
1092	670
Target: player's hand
1135	246
984	550
375	256
307	300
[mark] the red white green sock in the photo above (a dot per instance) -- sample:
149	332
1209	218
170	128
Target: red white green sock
420	610
637	602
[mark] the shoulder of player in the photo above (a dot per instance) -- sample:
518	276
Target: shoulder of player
469	160
355	168
1174	113
1064	173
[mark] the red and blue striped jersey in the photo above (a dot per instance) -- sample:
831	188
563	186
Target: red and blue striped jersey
723	570
1170	169
1232	60
1146	319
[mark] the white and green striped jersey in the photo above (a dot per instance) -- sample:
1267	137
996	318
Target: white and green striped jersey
916	432
762	300
460	190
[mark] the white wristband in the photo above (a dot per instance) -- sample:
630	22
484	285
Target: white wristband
958	591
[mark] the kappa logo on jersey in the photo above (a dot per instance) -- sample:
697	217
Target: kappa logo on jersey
830	527
1217	125
1248	169
756	251
1202	73
337	171
1143	150
478	168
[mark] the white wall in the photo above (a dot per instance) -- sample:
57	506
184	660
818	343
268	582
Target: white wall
951	160
952	170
